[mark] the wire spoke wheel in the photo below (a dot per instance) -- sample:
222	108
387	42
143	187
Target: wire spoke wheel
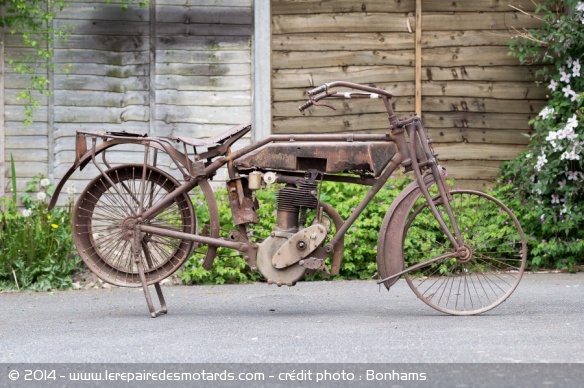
485	271
106	214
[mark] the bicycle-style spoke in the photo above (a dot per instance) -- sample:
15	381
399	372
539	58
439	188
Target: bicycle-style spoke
105	225
482	279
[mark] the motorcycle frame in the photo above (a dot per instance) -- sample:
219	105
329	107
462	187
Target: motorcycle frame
414	153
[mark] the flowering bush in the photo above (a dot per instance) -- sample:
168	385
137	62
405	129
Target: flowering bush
549	178
35	244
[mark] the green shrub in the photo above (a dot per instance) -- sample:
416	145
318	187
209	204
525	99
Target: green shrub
546	183
229	266
360	241
35	244
548	246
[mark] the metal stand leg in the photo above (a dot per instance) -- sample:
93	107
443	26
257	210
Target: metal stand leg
153	312
138	260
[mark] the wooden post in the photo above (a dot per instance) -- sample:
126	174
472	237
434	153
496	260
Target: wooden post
2	129
51	106
418	54
262	70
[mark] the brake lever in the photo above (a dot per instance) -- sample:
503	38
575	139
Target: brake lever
314	101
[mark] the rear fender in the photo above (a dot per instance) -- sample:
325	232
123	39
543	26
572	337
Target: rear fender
83	156
390	254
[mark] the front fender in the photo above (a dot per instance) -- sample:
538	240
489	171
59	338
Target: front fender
390	253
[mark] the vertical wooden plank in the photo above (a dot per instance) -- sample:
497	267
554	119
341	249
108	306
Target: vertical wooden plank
262	70
152	80
2	130
418	91
51	106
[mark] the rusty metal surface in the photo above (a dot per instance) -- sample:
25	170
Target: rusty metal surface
390	260
214	225
267	249
243	208
329	157
339	248
299	246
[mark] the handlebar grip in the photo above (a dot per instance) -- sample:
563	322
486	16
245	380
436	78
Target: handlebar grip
318	90
306	105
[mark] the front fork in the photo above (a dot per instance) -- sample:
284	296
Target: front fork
417	137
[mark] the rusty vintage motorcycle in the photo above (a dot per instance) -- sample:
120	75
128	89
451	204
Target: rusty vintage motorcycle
462	252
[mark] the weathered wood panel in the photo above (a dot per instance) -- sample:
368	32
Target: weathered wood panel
477	100
28	146
305	78
446	104
367	122
91	98
439	57
396	22
344	6
384	40
479	89
15	128
184	70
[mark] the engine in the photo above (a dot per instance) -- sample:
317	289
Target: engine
291	241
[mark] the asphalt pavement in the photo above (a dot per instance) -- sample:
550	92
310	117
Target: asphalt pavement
311	323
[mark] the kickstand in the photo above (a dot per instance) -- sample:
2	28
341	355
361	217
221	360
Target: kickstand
138	260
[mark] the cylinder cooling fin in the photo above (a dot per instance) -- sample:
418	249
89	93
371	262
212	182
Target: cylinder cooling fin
291	198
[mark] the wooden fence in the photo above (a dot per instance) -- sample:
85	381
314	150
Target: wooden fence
180	67
476	99
184	67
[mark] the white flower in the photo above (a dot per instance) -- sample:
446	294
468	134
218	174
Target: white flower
41	196
576	68
555	198
45	182
26	212
572	175
552	137
572	122
565	133
553	85
547	112
568	92
541	160
562	183
564	77
570	155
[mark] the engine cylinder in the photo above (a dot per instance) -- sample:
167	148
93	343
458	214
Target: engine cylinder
290	199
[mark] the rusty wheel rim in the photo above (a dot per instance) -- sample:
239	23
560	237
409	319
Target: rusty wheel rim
104	224
485	270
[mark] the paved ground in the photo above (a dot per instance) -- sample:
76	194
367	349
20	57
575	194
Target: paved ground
312	322
352	326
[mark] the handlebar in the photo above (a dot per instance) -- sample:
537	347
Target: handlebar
324	91
350	85
318	90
